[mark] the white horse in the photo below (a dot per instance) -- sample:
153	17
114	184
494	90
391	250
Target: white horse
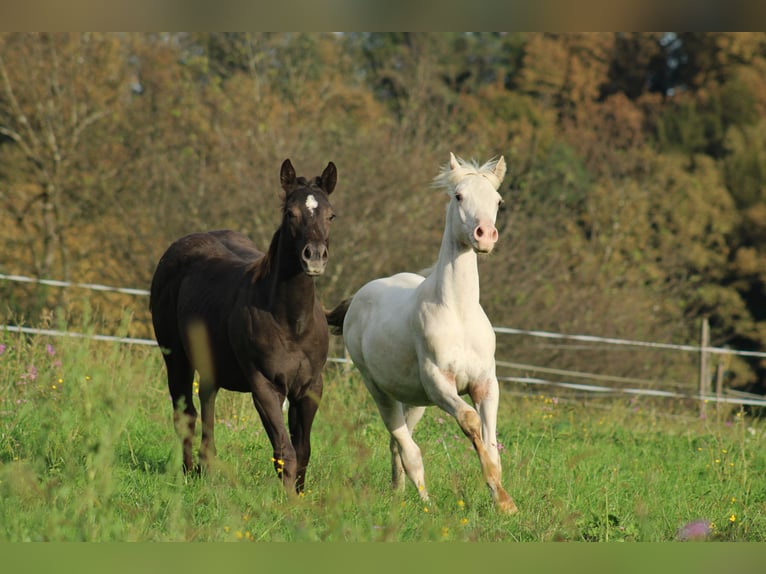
421	341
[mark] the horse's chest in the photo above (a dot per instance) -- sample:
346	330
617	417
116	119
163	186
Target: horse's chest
465	351
287	360
280	354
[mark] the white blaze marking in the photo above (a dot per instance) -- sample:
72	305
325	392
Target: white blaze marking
311	204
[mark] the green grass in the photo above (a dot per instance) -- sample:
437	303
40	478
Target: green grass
88	453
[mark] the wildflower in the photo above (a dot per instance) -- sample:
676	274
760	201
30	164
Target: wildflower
460	503
733	518
50	350
425	509
239	534
464	521
695	530
2	349
226	528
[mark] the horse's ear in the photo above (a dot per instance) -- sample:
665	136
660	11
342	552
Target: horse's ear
500	170
329	178
453	163
287	175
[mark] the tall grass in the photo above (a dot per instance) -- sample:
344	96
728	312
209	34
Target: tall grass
88	453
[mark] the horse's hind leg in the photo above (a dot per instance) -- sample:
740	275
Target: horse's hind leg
207	451
180	380
411	416
404	450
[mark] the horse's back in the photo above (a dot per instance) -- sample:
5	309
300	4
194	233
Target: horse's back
198	273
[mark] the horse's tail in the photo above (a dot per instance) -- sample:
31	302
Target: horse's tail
336	316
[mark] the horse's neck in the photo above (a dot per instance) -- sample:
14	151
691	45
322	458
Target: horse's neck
290	291
456	275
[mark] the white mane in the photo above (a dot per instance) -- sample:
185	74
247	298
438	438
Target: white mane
449	176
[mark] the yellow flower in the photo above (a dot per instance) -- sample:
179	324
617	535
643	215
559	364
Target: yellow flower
239	534
425	509
460	503
733	518
463	521
226	528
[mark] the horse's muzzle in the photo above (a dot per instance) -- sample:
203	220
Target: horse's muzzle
484	237
314	258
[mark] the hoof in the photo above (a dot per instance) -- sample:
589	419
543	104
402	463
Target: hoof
507	506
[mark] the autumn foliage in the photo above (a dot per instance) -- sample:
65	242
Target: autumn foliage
636	188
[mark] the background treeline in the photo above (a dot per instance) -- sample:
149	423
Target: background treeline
636	190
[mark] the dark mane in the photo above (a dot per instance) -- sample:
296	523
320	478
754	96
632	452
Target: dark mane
262	267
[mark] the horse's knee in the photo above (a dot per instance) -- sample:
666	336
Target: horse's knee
470	423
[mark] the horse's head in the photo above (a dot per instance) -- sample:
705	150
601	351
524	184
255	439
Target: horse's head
474	201
307	215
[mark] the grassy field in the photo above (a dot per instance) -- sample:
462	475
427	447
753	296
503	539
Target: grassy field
88	453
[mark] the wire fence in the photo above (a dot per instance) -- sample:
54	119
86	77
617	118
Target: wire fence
742	399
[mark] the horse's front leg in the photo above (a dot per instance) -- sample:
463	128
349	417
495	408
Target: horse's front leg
486	396
268	402
300	418
441	388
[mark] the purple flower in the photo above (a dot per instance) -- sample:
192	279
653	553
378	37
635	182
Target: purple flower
31	373
2	349
50	349
694	530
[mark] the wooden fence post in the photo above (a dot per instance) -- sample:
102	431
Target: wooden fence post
704	382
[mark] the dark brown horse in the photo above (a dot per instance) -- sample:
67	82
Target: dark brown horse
250	322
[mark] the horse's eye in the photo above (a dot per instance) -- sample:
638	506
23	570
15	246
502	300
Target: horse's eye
501	204
459	197
332	216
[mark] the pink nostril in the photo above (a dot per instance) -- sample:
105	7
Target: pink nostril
487	234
